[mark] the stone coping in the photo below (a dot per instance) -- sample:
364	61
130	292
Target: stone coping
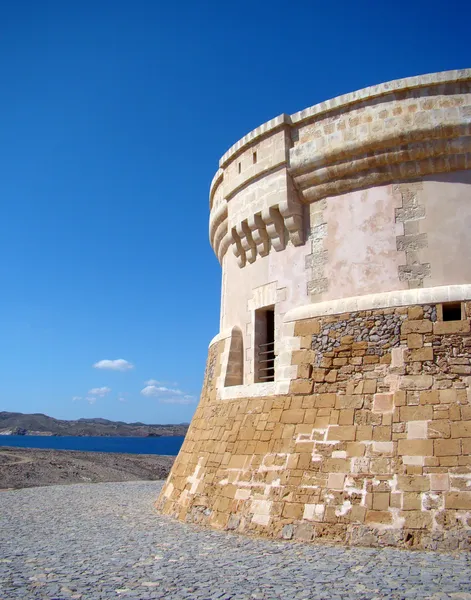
446	293
344	101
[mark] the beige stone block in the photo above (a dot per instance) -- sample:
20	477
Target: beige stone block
399	398
466	446
415	447
414	461
397	358
448	461
381	433
417	430
458	500
378	516
416	413
413	483
416	382
451	327
336	481
417	519
307	327
306	342
310	415
415	313
439	482
301	386
369	386
383	448
380	500
447	447
429	397
237	462
304	371
298	357
336	465
357	513
318	375
349	401
412	501
420	354
325	400
415	340
355	449
364	433
331	376
383	403
342	433
447	396
321	422
293	510
417	326
461	429
346	416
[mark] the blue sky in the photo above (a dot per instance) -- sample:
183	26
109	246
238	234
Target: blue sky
113	115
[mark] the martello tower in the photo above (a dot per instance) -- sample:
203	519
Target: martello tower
336	400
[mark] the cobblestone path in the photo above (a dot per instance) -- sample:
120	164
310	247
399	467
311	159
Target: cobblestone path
104	541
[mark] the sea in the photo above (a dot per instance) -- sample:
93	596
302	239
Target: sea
166	445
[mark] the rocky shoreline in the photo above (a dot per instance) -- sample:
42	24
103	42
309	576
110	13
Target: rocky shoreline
31	467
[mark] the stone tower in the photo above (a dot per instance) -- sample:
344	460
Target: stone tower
336	401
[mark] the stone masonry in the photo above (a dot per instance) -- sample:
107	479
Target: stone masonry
336	403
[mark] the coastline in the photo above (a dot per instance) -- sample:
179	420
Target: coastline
32	467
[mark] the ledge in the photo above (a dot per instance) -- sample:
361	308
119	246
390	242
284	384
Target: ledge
447	293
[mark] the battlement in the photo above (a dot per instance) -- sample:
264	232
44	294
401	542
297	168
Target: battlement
396	131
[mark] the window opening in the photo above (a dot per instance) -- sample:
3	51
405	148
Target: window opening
240	168
265	348
254	157
452	311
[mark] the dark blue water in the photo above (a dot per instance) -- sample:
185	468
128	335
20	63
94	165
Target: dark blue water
130	445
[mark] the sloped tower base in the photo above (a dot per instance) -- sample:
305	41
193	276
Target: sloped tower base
371	446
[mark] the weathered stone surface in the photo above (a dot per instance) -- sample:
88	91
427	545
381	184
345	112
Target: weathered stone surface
339	217
375	439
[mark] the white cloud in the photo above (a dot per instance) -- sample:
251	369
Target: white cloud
114	365
152	382
76	398
167	395
154	390
122	397
99	392
91	399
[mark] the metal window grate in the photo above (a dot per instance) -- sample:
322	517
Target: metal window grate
266	361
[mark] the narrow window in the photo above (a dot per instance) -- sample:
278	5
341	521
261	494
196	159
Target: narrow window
254	157
265	344
452	311
240	167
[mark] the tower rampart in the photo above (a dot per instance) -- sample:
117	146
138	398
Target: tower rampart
336	400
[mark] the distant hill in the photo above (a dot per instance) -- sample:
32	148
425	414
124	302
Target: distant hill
39	424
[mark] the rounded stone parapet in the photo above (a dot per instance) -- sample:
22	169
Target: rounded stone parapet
389	133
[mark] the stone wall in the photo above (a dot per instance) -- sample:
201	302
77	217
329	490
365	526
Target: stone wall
371	446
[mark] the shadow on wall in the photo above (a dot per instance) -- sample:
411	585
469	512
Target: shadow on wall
235	363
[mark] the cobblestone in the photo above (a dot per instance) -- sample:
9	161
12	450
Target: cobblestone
104	541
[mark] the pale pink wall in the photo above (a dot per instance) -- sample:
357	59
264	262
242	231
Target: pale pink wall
361	244
447	223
